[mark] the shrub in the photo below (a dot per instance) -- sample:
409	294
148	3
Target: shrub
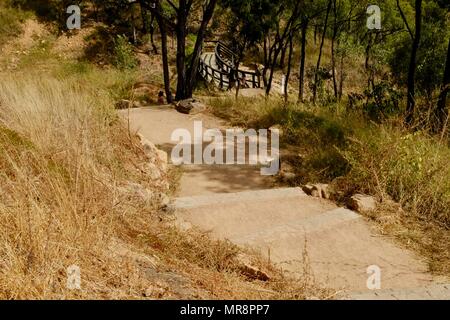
124	57
383	101
10	23
411	168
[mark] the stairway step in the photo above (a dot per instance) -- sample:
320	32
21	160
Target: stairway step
313	223
226	198
435	292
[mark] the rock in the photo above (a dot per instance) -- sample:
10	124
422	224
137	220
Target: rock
362	203
162	156
137	191
190	106
164	199
148	146
125	104
319	190
248	269
308	189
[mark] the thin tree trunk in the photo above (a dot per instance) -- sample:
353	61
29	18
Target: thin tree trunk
266	62
302	64
411	103
333	42
272	69
288	73
181	51
164	53
152	34
283	56
320	52
193	68
441	112
341	77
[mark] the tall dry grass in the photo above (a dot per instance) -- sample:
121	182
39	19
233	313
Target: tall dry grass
62	157
68	177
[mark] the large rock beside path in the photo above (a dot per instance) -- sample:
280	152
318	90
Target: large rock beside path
189	106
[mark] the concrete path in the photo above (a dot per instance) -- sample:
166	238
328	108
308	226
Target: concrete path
290	228
157	124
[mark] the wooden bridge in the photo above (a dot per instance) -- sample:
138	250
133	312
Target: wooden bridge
217	63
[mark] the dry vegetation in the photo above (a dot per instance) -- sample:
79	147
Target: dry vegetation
407	172
76	188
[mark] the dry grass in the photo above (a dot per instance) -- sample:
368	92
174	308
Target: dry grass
61	163
356	155
71	182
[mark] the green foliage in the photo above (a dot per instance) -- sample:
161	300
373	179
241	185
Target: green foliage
382	101
10	23
317	132
431	54
411	168
124	57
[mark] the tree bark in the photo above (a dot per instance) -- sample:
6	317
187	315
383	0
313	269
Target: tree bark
193	68
441	112
152	34
302	64
180	30
164	53
333	42
411	103
148	26
320	52
341	78
288	73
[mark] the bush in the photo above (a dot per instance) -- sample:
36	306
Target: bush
410	168
10	23
383	101
124	57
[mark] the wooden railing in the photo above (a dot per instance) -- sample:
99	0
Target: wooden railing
220	78
225	60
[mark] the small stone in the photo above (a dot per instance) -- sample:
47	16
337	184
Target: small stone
190	106
164	199
319	190
248	269
362	203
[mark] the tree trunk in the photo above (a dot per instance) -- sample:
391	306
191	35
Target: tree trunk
333	42
272	69
302	64
152	34
288	73
164	53
193	68
410	106
441	112
266	62
320	52
341	77
181	51
283	56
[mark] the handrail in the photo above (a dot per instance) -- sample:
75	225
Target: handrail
222	54
206	70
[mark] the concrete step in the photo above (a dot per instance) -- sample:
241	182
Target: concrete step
227	198
285	224
434	292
